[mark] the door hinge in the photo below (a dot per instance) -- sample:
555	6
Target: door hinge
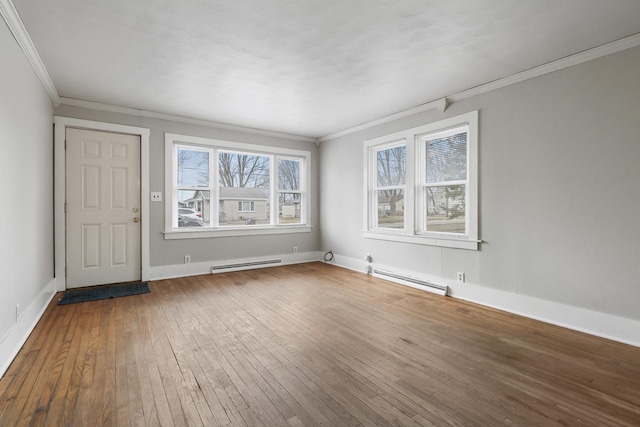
65	207
65	144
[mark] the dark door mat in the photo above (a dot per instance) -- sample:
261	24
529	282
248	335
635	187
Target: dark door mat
104	292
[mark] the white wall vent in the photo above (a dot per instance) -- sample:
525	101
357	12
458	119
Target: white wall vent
245	265
414	282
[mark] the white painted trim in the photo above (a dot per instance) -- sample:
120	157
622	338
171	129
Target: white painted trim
591	322
437	104
200	268
442	104
15	338
11	17
181	119
566	62
348	263
61	125
419	239
550	67
190	233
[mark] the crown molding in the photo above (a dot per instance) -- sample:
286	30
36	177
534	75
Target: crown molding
440	104
550	67
11	17
181	119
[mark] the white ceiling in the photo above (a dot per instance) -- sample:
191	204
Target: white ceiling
305	67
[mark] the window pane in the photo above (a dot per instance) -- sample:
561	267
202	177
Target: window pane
246	206
244	189
447	158
289	208
193	208
289	175
445	209
244	170
390	208
391	166
193	168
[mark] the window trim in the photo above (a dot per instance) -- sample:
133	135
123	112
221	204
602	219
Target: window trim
170	220
412	232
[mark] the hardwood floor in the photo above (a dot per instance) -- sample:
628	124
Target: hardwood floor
311	344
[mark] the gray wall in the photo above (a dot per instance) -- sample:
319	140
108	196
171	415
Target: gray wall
26	172
170	252
559	170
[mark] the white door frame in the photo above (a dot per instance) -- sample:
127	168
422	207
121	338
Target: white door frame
61	125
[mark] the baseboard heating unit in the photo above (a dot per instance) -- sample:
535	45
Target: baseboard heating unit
414	282
245	265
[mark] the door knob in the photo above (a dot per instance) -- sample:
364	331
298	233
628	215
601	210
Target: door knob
136	219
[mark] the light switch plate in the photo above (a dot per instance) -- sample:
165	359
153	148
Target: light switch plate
156	196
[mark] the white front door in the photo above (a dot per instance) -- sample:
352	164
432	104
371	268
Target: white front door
103	208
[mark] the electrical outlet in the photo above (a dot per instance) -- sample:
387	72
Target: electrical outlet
460	277
17	312
187	259
295	249
156	196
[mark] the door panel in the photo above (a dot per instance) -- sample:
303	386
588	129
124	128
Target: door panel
90	188
118	188
90	246
103	201
118	244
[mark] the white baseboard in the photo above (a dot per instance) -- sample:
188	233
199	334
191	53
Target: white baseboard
592	322
13	341
596	323
198	268
346	262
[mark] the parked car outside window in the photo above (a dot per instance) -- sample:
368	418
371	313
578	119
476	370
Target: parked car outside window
189	218
189	213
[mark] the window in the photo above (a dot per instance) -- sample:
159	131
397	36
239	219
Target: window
221	188
289	191
422	184
389	188
443	181
246	207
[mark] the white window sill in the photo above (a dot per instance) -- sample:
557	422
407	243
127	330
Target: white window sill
190	233
424	240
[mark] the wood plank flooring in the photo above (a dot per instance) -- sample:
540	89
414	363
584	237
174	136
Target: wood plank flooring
306	345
